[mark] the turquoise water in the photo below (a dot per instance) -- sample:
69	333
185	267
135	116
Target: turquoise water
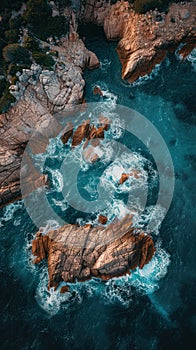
151	309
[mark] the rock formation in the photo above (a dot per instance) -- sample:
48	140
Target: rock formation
40	94
102	219
145	39
80	253
124	177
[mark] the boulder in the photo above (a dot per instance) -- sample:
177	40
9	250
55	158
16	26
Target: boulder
123	178
81	133
102	219
67	133
97	91
64	289
92	61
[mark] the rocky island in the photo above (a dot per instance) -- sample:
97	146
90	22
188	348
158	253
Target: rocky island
41	90
80	253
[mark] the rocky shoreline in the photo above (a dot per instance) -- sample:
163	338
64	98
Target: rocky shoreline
144	42
40	94
79	253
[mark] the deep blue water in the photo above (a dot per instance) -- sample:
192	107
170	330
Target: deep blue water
153	309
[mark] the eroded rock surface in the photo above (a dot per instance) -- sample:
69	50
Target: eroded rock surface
40	94
79	253
144	39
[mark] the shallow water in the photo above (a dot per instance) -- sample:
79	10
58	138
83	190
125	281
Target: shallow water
154	307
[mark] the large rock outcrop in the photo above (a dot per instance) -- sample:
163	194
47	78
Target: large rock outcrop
40	94
144	39
80	253
148	38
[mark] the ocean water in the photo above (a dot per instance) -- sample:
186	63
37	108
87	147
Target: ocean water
153	308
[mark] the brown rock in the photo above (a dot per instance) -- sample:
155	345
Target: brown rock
92	61
186	50
100	132
64	289
93	132
79	253
102	219
67	133
135	173
81	133
142	47
97	91
123	178
40	248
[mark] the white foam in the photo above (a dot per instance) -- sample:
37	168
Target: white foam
126	163
155	72
52	301
192	58
144	280
57	179
51	225
151	213
62	204
104	64
9	212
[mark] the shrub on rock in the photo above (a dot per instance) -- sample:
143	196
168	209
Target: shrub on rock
15	53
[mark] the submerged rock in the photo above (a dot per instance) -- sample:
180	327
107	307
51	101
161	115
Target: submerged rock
80	253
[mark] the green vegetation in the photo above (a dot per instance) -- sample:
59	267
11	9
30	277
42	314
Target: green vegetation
38	17
6	99
143	6
11	4
11	36
15	56
46	61
15	53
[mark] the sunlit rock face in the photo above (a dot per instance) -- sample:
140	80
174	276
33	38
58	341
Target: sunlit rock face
148	38
144	39
80	253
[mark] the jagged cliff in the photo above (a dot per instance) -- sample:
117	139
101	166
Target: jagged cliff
144	39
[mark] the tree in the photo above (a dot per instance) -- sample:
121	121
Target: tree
11	36
15	53
37	15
